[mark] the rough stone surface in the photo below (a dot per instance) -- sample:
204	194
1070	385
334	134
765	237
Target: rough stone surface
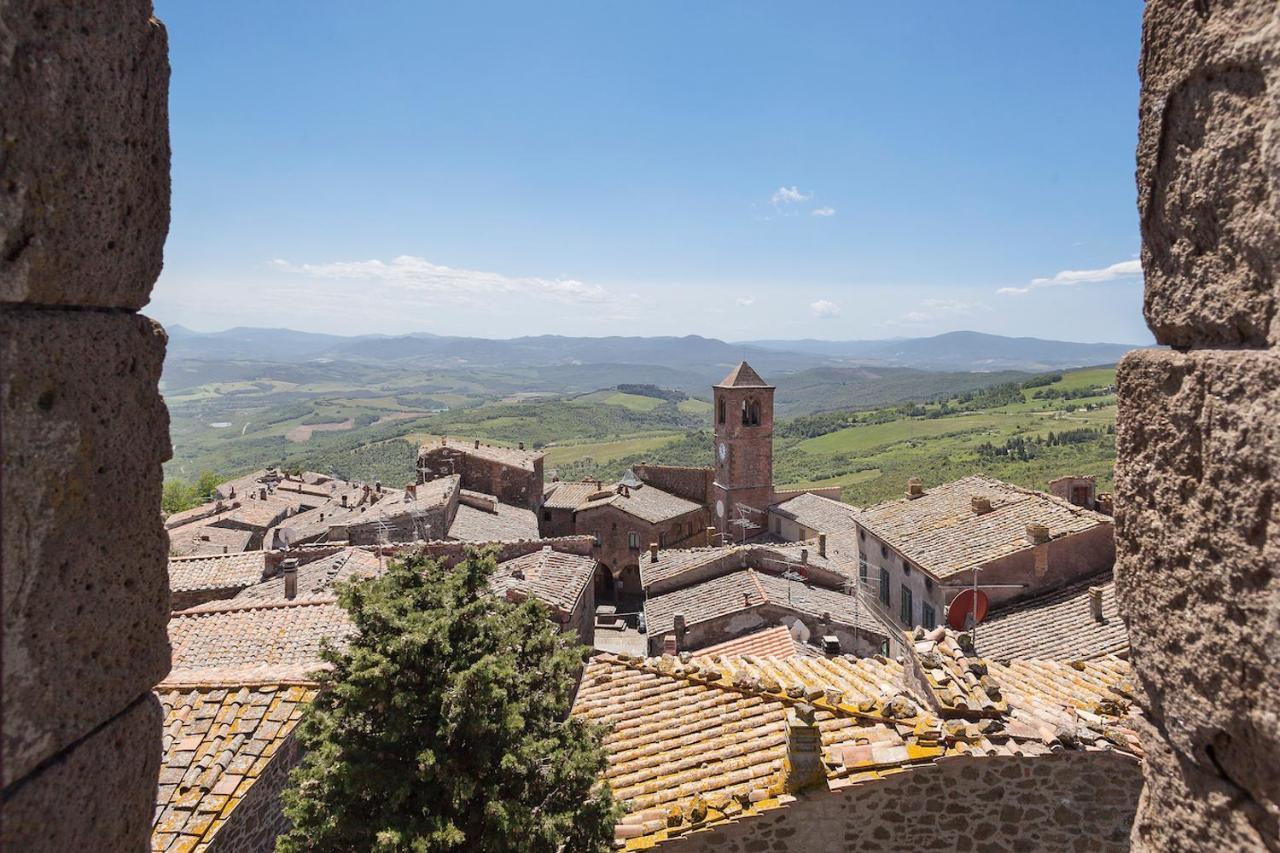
84	207
1068	801
95	796
84	550
1209	171
1198	526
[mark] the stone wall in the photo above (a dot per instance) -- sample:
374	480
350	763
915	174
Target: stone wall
259	818
83	431
692	484
1064	801
1198	432
510	484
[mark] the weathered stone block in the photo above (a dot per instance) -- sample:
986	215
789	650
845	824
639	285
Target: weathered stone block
85	155
100	795
86	593
1209	171
1198	573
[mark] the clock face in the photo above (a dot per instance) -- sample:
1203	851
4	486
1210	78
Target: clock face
720	505
723	451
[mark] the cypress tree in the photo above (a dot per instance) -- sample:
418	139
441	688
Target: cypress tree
443	725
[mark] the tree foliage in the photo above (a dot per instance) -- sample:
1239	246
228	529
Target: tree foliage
443	725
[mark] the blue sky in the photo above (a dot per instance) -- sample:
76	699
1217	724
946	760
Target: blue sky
738	170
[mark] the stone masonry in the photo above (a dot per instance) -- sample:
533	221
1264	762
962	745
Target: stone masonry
1198	434
1068	801
83	431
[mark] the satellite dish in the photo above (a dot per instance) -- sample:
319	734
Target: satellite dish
964	606
800	632
286	536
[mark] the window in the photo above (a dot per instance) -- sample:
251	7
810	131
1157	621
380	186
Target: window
906	605
884	587
633	541
862	574
928	583
927	616
862	534
884	552
722	410
906	569
546	515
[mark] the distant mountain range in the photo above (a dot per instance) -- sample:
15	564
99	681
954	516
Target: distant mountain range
695	355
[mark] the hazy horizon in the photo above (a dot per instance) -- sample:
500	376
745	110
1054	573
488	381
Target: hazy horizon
831	171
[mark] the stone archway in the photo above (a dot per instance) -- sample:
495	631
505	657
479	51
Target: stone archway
606	588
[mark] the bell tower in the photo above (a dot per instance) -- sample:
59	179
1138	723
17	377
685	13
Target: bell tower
743	416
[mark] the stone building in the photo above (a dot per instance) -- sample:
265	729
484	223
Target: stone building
743	424
1078	622
419	514
563	582
805	754
918	552
807	514
511	474
195	580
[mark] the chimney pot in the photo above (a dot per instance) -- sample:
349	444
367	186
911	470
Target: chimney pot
822	545
1095	603
1037	533
915	487
289	568
653	552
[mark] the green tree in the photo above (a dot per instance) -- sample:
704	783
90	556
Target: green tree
206	485
177	496
443	725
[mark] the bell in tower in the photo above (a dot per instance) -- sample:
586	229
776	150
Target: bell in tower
743	489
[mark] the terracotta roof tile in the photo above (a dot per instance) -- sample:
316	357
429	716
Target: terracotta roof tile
743	376
818	513
696	741
941	532
645	502
1056	626
219	571
316	579
225	639
552	577
507	524
770	643
200	539
214	740
513	456
568	494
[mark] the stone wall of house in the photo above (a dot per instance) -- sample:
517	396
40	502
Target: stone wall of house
259	818
710	632
692	484
83	431
612	529
510	484
1041	568
1198	433
1065	801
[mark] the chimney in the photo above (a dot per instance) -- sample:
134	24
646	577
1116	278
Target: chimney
322	516
1095	603
915	488
477	444
224	549
412	491
262	493
653	552
678	622
377	486
289	568
822	545
232	496
344	499
980	504
521	445
711	536
1037	534
802	766
669	645
804	556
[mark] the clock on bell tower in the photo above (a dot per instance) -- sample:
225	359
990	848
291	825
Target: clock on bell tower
743	416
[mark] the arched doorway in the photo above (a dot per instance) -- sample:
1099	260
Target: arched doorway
606	590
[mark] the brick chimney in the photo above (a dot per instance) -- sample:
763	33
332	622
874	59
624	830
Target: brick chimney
681	628
477	444
344	499
289	569
411	490
669	645
653	552
915	488
711	536
1037	534
822	545
521	445
980	504
1095	603
804	556
262	493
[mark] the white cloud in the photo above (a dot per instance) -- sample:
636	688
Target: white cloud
448	284
746	301
1070	278
823	211
930	310
789	195
824	309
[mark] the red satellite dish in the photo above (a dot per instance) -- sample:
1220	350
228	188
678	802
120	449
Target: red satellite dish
963	605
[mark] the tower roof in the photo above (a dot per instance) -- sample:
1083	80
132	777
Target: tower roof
743	376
